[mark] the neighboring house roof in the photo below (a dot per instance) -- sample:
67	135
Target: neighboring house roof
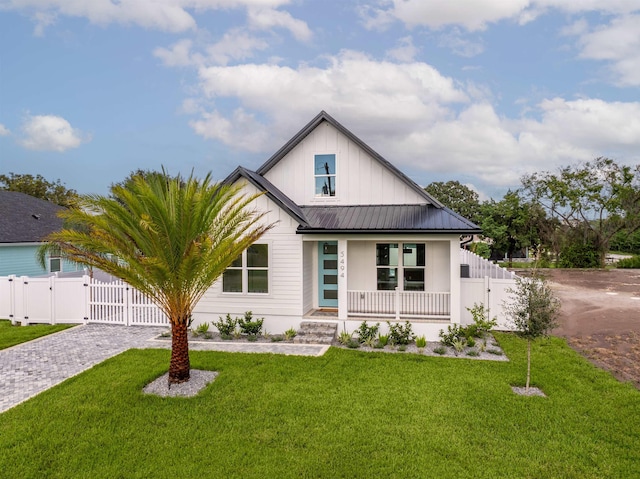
385	219
324	116
25	219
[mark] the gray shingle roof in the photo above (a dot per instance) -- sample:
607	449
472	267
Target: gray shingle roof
385	219
25	219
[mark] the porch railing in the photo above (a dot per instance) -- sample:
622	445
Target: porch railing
399	304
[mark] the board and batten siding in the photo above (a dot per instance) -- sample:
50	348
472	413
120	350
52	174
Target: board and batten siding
360	179
284	299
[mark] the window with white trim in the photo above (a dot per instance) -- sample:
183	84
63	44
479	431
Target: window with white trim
325	175
55	264
249	272
408	264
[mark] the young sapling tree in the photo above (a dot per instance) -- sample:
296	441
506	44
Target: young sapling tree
534	312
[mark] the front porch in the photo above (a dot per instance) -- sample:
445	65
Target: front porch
395	278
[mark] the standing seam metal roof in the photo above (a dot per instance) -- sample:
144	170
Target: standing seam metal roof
384	218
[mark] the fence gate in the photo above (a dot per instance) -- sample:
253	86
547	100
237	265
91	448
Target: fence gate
119	303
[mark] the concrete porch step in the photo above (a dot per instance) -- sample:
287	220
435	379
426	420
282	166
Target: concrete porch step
316	332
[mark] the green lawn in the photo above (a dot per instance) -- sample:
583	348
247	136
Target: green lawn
12	335
346	414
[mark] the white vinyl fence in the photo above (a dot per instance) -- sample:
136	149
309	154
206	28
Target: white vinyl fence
492	293
480	267
55	300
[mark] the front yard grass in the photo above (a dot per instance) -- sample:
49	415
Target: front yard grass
346	414
12	335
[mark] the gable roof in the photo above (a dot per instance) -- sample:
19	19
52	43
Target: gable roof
324	116
277	196
25	219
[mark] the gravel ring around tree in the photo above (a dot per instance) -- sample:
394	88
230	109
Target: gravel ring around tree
197	382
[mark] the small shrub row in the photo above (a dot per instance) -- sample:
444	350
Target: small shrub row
237	327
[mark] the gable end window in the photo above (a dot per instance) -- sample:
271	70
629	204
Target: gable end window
325	175
249	272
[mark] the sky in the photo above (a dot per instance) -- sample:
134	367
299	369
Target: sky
478	91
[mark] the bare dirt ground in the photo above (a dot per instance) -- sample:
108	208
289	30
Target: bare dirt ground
600	317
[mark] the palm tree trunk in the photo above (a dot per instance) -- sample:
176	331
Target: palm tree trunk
179	366
528	364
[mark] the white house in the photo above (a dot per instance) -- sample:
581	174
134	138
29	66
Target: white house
355	239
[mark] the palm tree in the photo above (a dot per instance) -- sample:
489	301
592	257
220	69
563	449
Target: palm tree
168	237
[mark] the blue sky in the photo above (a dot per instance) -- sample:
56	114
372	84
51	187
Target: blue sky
479	91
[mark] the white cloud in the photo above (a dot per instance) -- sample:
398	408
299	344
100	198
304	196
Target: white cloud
178	55
455	41
405	52
268	18
165	15
475	15
414	116
4	131
617	42
235	44
50	133
382	97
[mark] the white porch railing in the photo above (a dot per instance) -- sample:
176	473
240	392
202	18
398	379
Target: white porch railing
399	304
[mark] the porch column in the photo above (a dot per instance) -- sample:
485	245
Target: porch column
342	279
454	262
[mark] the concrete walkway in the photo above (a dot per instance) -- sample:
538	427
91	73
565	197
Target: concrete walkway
30	368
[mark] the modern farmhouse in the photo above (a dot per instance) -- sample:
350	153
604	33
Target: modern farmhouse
355	239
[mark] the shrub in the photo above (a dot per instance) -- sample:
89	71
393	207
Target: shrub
399	334
402	347
481	322
579	255
250	327
289	334
473	353
459	344
366	332
353	344
421	342
202	328
226	326
440	350
495	352
277	338
629	263
454	332
344	338
383	339
471	342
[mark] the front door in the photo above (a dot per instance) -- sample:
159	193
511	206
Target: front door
328	274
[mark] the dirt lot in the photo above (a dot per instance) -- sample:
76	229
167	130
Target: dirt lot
600	317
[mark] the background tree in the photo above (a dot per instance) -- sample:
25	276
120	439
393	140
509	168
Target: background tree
38	187
458	197
170	238
593	201
534	311
510	223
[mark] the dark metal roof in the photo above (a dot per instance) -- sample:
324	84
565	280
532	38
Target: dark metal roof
324	116
260	182
385	219
25	219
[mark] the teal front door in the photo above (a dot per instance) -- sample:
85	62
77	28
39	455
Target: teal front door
328	274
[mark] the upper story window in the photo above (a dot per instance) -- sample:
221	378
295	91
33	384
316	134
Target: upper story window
325	175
